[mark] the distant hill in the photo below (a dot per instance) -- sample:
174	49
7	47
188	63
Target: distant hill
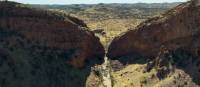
139	10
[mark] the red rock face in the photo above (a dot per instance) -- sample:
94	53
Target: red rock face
49	31
176	28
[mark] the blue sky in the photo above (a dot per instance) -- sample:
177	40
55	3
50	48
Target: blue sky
91	1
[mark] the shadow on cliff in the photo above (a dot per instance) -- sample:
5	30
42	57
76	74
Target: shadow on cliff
131	59
21	69
188	63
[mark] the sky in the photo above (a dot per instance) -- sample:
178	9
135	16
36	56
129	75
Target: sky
93	1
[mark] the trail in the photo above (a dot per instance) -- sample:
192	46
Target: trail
106	77
105	68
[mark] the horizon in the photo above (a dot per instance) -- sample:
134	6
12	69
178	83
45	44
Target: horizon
63	2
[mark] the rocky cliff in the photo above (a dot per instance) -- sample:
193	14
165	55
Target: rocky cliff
176	28
38	48
43	31
177	31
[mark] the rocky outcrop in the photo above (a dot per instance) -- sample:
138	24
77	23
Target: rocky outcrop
163	63
40	48
176	28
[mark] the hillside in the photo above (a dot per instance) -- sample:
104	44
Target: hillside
112	11
40	48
